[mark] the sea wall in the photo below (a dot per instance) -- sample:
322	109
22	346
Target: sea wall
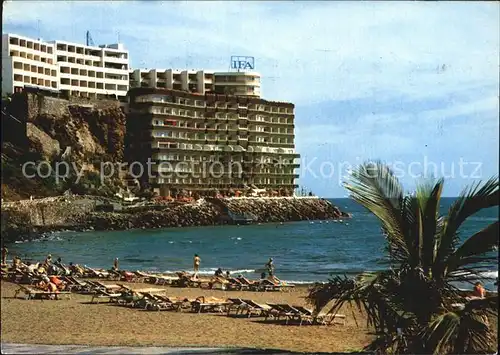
83	212
283	209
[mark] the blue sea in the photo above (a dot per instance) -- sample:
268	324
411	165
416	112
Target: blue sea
303	252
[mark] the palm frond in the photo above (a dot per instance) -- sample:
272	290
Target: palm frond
441	333
474	334
471	200
374	186
429	197
473	250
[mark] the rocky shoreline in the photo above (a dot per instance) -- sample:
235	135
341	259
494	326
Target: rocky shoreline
26	220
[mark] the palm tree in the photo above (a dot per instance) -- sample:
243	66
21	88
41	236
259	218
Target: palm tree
414	305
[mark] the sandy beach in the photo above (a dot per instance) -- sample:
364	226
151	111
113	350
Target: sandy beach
75	321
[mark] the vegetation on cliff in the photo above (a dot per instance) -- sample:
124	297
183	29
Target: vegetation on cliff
58	130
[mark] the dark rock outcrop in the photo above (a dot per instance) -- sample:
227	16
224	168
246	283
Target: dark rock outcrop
23	219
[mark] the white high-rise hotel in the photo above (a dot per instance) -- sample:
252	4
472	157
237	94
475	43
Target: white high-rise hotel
71	68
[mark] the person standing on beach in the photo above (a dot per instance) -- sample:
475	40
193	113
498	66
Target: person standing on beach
5	251
270	267
196	264
115	264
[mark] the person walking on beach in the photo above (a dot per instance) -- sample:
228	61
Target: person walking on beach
48	261
5	251
115	264
196	264
270	267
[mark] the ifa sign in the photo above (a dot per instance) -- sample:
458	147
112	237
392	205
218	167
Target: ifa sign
242	63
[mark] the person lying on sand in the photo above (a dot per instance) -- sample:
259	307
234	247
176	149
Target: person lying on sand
41	270
76	269
64	270
31	268
274	279
60	285
479	291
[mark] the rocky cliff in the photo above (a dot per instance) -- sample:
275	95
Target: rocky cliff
78	131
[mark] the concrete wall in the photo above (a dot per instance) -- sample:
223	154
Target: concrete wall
56	213
39	104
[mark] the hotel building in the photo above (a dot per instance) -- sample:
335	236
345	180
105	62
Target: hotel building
200	81
95	72
203	143
70	68
28	62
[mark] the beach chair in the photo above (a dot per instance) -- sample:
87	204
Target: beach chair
291	312
320	318
249	284
278	311
257	308
236	304
114	275
162	303
164	280
129	298
235	284
141	276
176	303
112	287
210	304
100	294
32	293
94	273
146	299
80	285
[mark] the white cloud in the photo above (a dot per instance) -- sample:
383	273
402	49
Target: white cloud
312	52
316	50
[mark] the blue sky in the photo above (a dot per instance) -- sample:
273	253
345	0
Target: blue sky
406	83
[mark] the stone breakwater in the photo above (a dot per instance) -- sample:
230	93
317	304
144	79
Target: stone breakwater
28	219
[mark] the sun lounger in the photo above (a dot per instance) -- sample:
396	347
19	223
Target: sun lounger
80	285
290	312
250	284
32	293
280	310
129	298
209	305
114	275
104	287
163	279
256	308
163	303
145	301
139	277
99	294
237	304
236	284
90	272
267	285
321	318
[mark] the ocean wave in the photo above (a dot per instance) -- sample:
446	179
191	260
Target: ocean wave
492	274
210	271
137	260
52	237
303	282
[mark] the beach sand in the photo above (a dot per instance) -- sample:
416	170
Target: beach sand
77	322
